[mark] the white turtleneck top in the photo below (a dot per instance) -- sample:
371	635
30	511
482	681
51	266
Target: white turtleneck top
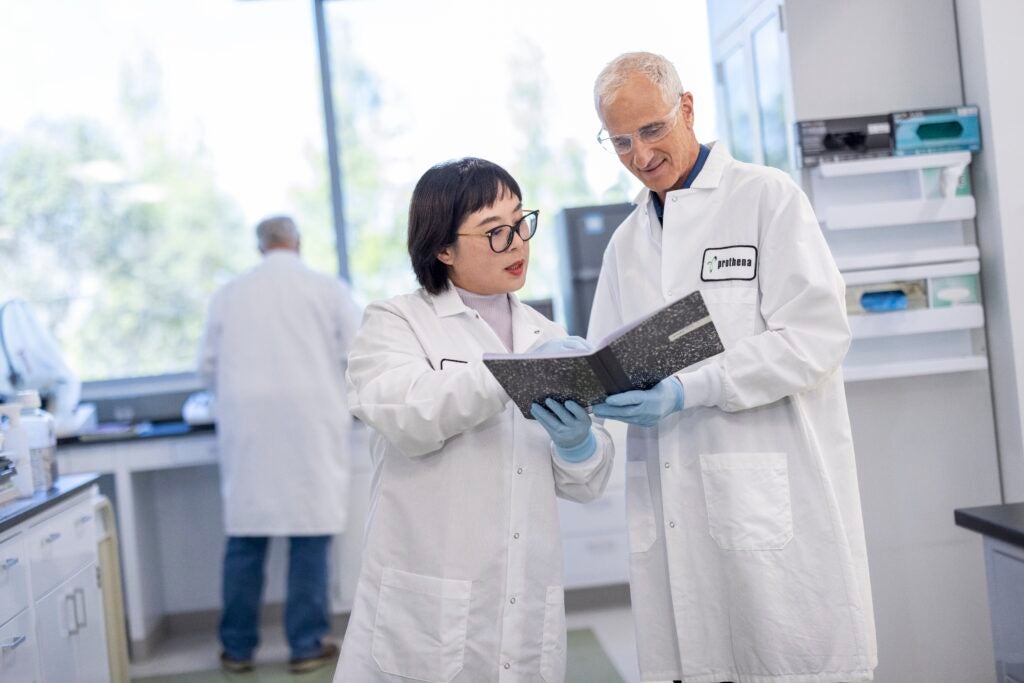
495	309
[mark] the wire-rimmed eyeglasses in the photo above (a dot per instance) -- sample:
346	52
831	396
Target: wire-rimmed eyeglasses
500	238
649	134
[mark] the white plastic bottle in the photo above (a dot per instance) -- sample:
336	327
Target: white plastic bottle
42	440
17	443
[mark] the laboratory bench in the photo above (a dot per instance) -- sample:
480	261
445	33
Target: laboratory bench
1002	527
166	491
21	510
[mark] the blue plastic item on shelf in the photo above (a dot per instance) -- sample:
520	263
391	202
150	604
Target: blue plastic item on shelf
882	302
936	130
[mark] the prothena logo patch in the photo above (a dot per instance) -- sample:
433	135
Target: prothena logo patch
729	263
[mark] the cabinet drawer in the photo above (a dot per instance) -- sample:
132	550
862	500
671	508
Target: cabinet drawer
606	514
13	577
18	650
596	560
60	546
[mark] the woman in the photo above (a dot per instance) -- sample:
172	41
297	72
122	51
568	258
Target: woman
462	567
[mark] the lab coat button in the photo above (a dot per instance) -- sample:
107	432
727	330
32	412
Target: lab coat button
512	601
675	198
668	465
519	470
672	524
507	665
515	535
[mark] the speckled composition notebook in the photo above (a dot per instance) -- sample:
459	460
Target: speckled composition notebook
635	356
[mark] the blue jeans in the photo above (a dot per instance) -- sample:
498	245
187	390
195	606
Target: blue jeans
306	618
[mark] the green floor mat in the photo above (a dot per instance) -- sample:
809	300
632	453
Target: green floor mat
263	673
587	663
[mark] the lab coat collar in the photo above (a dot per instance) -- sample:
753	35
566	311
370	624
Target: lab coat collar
524	332
281	255
708	179
448	302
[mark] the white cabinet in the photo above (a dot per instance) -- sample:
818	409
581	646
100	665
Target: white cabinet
60	546
594	543
14	594
55	628
18	650
71	631
52	625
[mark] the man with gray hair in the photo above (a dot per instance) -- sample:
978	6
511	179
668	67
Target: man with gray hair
274	353
277	232
747	552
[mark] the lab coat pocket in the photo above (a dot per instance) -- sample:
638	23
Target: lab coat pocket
552	654
640	507
420	631
734	311
747	498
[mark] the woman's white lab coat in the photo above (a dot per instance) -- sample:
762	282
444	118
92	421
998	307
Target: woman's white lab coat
462	568
748	561
274	353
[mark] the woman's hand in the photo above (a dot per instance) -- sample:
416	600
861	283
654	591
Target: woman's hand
568	426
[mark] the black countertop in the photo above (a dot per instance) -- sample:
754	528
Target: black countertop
155	430
17	511
1005	522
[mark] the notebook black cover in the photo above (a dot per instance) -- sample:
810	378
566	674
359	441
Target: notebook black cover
636	356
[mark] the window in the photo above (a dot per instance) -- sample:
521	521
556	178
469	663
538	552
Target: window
417	83
140	142
144	140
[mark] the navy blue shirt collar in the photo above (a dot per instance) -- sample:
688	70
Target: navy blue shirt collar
702	156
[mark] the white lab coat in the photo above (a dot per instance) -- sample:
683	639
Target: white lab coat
747	553
462	569
273	352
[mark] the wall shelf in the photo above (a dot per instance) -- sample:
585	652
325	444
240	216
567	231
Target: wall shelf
907	212
913	162
936	366
918	272
922	321
914	257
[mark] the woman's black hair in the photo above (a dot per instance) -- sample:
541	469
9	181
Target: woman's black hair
443	197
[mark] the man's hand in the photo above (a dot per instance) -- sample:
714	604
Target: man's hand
644	408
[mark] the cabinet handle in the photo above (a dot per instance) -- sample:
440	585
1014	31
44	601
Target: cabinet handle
84	519
9	563
51	538
74	609
80	592
13	643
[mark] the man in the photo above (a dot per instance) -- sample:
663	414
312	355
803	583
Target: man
274	352
748	561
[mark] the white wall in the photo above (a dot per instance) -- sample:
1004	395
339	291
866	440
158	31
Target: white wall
992	56
853	58
925	445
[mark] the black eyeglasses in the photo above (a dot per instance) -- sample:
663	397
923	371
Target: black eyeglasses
500	238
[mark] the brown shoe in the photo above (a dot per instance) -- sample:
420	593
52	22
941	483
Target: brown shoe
328	653
235	666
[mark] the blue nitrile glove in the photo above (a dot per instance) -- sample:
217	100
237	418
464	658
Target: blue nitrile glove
569	428
644	408
562	344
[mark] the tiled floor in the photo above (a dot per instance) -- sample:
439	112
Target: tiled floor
601	650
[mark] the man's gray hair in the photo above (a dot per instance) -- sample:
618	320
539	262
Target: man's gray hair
277	231
658	69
